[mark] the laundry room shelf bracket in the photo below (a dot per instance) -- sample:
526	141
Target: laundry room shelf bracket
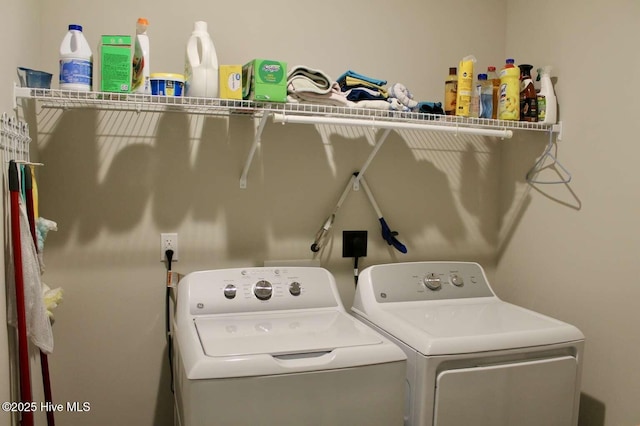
557	128
256	142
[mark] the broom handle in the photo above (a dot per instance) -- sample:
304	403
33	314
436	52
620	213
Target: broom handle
23	343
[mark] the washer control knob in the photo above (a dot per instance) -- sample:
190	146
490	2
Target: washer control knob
294	288
263	290
432	281
456	280
230	291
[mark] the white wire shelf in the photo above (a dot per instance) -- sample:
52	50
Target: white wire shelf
282	113
68	99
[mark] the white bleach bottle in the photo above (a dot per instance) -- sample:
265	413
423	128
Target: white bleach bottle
201	64
76	61
140	74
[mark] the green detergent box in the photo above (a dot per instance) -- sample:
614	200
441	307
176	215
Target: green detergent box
115	63
264	80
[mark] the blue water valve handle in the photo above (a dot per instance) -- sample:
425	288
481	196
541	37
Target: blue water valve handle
390	237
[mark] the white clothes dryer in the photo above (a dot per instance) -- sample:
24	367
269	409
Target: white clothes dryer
473	359
275	346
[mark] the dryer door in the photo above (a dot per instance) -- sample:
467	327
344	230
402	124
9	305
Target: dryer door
532	393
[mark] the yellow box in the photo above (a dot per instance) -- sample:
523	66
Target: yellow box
230	81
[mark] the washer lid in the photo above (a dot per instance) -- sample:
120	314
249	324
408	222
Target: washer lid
281	333
466	327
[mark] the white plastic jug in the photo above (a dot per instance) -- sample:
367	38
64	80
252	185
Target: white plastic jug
76	61
201	64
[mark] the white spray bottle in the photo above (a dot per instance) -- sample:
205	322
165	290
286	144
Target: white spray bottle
140	73
547	101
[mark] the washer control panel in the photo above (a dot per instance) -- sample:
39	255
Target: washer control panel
258	289
412	281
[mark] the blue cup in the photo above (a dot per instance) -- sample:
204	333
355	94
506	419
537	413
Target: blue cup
34	79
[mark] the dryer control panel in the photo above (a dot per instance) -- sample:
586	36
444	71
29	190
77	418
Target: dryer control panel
258	289
414	281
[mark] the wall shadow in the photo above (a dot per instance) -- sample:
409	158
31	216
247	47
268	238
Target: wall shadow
68	184
163	414
592	411
479	180
415	192
173	179
188	167
515	159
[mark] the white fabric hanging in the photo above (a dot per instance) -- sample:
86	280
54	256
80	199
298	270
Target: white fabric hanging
38	324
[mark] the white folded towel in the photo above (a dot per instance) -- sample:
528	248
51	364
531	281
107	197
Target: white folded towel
302	79
335	97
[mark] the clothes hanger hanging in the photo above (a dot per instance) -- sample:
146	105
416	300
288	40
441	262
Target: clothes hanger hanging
565	175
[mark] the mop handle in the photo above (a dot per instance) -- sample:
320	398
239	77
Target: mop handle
346	191
324	228
370	196
23	343
315	247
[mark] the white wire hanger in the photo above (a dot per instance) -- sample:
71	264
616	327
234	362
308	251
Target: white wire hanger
565	175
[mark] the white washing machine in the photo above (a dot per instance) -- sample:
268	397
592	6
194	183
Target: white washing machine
275	346
473	359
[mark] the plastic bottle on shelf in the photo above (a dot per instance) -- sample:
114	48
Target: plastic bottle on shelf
536	82
201	64
528	97
450	91
509	100
547	101
465	86
492	76
76	61
486	96
140	74
474	111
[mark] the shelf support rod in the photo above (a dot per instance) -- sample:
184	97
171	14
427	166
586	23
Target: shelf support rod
434	126
18	93
256	141
365	166
557	128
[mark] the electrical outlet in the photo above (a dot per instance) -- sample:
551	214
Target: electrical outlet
354	243
168	242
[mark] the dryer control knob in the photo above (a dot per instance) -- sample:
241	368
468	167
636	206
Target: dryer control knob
263	290
457	280
432	281
294	288
230	291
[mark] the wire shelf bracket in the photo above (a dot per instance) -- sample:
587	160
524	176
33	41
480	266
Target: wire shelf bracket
252	151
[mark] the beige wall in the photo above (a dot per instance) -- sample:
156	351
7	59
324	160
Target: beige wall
574	253
21	31
113	181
